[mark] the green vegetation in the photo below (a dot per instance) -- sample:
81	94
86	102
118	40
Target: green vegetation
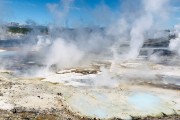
24	30
19	30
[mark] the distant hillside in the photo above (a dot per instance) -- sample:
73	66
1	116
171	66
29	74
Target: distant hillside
19	30
25	30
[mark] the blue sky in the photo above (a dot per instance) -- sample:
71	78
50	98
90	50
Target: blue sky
81	12
21	10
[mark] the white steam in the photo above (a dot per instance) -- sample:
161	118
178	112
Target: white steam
63	54
60	11
69	47
152	11
175	43
65	47
141	26
42	42
105	79
2	30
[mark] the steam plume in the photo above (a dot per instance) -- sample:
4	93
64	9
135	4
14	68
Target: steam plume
152	10
175	43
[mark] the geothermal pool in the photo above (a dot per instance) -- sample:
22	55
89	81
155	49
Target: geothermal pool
131	88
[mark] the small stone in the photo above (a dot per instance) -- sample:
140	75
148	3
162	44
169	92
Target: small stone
60	94
14	110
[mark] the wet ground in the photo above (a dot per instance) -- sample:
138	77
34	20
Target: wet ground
135	89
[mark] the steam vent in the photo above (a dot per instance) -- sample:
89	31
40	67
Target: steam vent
89	60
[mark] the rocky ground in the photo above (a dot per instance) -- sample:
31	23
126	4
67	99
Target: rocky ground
64	115
30	98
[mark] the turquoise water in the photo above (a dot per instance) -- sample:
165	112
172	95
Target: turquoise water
144	101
